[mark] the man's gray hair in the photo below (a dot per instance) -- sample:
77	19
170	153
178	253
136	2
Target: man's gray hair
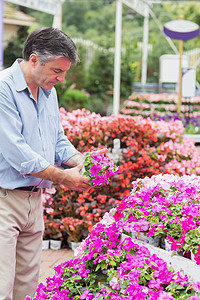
50	43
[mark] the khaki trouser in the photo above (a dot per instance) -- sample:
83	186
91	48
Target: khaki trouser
21	231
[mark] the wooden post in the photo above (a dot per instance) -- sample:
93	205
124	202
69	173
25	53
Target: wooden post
180	73
180	76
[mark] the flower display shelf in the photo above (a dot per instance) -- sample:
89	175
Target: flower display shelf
195	137
177	262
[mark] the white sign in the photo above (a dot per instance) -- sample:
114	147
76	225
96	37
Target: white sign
188	82
48	6
169	67
181	26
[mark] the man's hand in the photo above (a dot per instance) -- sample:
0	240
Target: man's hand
74	181
103	150
79	158
71	178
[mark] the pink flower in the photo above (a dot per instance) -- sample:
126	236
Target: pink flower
165	296
80	249
134	275
99	168
108	219
114	283
196	286
86	295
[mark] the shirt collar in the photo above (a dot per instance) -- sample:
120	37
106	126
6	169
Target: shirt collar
19	78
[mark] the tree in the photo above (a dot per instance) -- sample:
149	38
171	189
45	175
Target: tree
15	47
100	75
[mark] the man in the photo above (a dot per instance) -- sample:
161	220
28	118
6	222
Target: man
32	142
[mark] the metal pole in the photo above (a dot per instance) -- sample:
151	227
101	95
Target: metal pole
117	66
145	45
1	32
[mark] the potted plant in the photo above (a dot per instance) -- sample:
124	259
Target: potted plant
165	206
192	243
46	234
110	267
45	241
99	168
76	230
55	234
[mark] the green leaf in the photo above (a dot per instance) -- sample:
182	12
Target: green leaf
180	287
103	266
113	263
97	267
154	264
147	277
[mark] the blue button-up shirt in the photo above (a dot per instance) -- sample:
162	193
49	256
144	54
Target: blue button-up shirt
31	134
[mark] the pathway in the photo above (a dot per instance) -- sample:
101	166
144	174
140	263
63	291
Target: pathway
51	259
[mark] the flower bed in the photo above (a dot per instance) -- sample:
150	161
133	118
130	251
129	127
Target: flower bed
150	103
178	262
164	107
165	206
109	266
146	148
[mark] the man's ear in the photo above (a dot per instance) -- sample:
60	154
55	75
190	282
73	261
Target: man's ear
34	60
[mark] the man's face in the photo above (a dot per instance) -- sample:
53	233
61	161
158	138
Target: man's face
46	76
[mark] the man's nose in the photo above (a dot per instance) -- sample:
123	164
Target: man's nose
61	77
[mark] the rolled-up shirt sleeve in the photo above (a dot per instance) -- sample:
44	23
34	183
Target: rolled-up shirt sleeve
33	166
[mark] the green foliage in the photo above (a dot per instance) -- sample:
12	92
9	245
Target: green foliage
128	72
14	47
97	105
60	87
42	18
78	74
198	73
74	99
100	76
74	14
192	240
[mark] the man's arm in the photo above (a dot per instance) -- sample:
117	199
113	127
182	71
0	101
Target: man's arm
79	158
75	160
70	178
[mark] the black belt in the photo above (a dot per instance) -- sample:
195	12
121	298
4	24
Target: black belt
28	188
